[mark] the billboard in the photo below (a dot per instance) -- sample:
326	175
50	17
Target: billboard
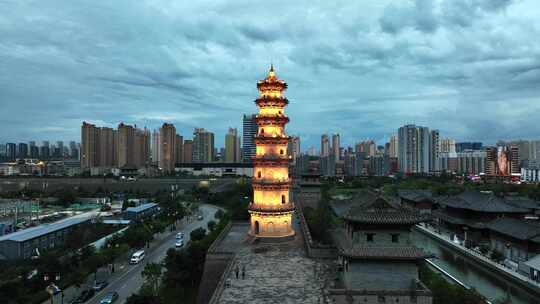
503	161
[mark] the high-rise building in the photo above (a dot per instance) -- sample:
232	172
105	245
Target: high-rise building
126	145
89	145
11	151
393	149
203	146
167	135
336	147
232	147
448	145
73	150
22	151
271	209
45	150
156	147
325	145
142	148
179	149
369	147
463	146
434	150
293	148
534	150
414	149
33	149
106	147
248	132
188	151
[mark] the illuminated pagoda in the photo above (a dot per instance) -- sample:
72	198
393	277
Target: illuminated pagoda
271	210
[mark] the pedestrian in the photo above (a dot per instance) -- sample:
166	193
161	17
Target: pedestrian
237	270
243	271
112	268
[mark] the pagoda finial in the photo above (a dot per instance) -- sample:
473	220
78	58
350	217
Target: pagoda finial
271	73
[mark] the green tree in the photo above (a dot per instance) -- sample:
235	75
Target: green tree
197	234
211	225
152	277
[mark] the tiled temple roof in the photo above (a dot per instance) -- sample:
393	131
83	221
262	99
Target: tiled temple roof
391	253
481	202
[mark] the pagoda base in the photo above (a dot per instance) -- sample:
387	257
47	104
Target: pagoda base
272	238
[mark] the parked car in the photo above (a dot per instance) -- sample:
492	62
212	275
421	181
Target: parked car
180	236
84	296
200	217
109	298
179	243
99	285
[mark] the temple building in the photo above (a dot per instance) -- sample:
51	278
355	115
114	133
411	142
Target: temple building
377	257
271	209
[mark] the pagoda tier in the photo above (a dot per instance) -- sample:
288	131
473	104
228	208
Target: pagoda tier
271	120
271	209
271	102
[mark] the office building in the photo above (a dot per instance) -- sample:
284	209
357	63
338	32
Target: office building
203	146
434	149
11	151
248	132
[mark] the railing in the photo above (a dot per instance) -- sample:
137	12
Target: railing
265	207
270	181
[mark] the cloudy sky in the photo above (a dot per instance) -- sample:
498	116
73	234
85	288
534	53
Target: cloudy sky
359	68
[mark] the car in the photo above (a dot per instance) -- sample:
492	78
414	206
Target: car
200	217
180	236
99	285
109	298
179	244
84	296
137	257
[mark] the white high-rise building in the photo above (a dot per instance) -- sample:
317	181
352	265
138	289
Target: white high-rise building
417	149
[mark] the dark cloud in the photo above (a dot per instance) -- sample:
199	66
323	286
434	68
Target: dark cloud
470	68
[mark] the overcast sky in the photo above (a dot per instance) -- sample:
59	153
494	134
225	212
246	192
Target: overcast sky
359	68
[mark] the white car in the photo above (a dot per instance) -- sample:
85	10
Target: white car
180	236
179	243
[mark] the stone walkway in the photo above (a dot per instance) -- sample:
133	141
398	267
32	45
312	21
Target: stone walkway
274	274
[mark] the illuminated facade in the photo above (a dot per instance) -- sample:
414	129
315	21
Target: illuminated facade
271	210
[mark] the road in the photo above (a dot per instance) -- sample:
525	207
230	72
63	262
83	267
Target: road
131	280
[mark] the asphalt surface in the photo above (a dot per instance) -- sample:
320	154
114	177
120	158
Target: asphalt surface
131	280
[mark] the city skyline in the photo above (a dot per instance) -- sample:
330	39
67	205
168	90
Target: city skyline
374	66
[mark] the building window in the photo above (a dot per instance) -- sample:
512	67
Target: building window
370	237
382	299
395	238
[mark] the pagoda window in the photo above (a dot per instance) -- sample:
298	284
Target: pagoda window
283	198
262	131
395	238
259	175
370	237
281	151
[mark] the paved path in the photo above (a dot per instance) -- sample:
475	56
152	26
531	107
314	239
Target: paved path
127	278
